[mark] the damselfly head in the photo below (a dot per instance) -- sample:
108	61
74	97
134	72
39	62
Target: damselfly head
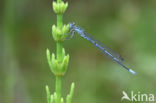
71	24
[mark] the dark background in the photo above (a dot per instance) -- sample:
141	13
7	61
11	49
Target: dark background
126	26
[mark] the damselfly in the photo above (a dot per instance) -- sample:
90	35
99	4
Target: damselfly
114	56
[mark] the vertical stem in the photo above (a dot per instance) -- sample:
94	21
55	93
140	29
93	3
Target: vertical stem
59	51
58	85
58	88
59	44
59	20
59	0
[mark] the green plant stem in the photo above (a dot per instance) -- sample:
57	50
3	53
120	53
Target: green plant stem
58	84
59	51
59	0
59	20
58	87
59	44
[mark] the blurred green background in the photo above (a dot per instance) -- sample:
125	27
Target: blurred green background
126	26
